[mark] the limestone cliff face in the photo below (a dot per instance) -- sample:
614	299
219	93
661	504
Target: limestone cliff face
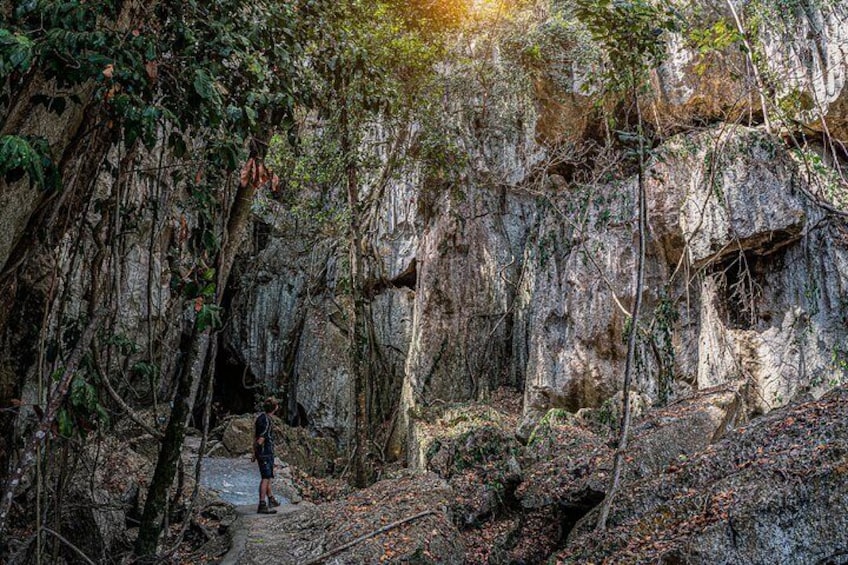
128	237
517	275
517	267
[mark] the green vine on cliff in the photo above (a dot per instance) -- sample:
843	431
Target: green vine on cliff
24	155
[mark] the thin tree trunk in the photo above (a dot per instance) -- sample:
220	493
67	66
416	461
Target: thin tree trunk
169	454
356	335
624	430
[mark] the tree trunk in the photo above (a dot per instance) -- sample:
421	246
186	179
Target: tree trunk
169	454
624	430
357	335
191	370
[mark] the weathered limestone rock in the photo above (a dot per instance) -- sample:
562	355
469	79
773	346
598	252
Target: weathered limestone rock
576	288
19	199
665	436
768	492
733	204
770	256
802	51
569	466
269	313
238	435
324	384
806	51
726	190
516	274
473	448
466	263
706	76
96	505
564	460
291	320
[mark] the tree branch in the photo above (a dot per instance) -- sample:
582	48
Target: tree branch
360	539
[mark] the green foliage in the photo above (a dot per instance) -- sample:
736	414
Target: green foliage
632	34
16	53
826	180
370	62
310	170
223	70
29	156
479	446
145	369
209	317
839	361
712	39
124	345
82	411
555	48
432	16
226	65
553	417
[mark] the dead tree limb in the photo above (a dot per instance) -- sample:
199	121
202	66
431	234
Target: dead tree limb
64	540
360	539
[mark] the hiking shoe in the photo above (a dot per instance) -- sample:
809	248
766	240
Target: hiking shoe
263	509
272	502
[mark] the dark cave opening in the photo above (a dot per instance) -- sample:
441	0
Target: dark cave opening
570	514
235	390
742	280
408	278
738	288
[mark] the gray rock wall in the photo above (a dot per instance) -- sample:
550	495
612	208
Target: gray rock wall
523	276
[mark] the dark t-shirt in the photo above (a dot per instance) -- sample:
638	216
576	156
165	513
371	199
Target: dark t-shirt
264	428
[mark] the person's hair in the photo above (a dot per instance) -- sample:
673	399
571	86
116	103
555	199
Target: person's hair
269	404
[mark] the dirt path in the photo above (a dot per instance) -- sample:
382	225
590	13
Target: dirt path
259	534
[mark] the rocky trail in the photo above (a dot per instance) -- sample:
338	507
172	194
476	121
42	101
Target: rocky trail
255	533
702	484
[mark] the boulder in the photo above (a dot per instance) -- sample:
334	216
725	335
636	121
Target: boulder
567	466
238	435
473	447
571	465
295	446
96	506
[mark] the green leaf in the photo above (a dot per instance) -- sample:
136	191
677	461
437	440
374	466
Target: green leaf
21	156
204	85
65	423
209	317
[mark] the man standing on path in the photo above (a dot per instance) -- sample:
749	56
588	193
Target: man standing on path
263	449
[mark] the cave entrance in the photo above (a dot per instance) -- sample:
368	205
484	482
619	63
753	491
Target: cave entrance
235	390
739	284
743	285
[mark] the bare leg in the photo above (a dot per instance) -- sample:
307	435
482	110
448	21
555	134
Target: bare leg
264	489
